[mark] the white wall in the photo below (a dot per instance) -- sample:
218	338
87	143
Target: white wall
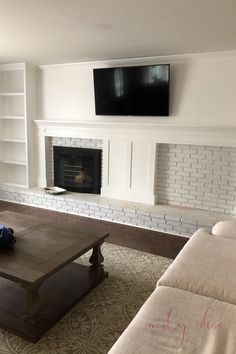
203	90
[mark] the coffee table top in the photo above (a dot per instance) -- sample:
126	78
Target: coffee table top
42	248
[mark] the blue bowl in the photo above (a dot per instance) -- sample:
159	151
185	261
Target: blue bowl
7	238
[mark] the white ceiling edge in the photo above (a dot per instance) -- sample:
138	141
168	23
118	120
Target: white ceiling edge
169	58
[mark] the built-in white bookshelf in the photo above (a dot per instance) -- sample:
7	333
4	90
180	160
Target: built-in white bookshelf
18	107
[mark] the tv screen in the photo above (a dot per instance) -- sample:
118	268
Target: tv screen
132	90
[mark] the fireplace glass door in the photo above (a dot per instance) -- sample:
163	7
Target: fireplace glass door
77	169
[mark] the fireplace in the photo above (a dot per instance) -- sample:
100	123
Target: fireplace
77	169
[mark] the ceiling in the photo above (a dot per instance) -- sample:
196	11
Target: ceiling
60	31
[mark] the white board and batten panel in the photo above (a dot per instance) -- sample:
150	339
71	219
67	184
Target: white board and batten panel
118	163
142	168
128	171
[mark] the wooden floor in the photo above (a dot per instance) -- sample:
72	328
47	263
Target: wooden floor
158	243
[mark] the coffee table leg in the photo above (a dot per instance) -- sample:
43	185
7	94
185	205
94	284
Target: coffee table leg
33	307
96	260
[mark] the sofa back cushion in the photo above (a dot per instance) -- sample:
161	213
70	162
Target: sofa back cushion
205	266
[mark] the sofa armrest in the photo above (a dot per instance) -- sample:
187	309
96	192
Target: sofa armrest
225	228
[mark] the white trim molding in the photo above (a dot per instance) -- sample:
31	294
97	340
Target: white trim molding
159	133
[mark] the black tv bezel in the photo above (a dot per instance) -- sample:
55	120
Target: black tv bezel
132	115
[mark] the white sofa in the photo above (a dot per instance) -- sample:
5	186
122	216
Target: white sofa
193	308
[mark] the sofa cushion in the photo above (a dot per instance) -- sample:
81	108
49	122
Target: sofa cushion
225	228
175	321
205	266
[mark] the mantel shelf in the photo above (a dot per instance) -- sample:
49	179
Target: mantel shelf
158	133
18	185
13	162
22	141
13	117
11	93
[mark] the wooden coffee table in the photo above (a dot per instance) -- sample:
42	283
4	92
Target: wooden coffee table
38	281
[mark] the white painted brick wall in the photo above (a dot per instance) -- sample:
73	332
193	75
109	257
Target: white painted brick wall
197	176
69	142
176	220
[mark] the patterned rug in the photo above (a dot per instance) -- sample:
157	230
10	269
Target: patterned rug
97	321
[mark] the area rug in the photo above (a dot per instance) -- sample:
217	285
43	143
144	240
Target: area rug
94	325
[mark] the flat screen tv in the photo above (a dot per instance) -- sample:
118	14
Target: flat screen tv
132	90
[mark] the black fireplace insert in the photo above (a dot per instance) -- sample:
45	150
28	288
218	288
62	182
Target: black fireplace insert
77	169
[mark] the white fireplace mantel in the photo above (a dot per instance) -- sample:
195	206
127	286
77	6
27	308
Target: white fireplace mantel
159	133
129	151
